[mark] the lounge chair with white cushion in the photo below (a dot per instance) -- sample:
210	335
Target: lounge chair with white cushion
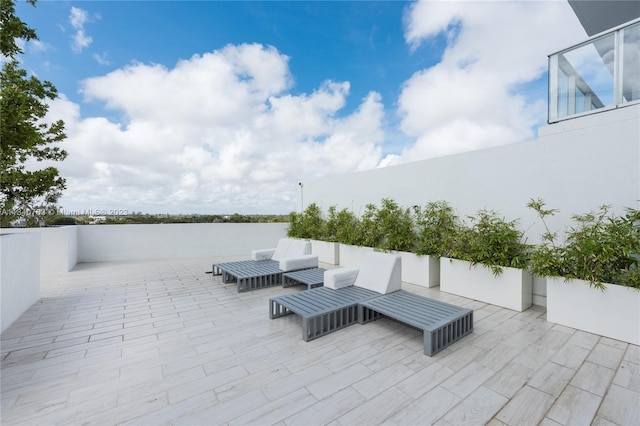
266	266
335	306
368	293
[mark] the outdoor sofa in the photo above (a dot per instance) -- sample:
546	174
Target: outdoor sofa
368	293
266	266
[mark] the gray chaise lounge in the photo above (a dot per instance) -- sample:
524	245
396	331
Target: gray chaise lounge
335	306
266	266
350	295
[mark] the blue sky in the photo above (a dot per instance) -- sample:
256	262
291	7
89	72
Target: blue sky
359	42
221	107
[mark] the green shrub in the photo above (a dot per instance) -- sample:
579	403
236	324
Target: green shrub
295	225
436	229
312	222
346	227
368	232
330	225
395	226
308	224
598	248
491	241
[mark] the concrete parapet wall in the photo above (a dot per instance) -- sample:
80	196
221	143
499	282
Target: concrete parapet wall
104	243
575	166
19	274
58	247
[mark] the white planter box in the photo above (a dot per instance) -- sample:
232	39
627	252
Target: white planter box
327	252
512	289
351	256
614	313
419	270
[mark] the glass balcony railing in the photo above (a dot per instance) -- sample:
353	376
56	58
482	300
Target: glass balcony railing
601	73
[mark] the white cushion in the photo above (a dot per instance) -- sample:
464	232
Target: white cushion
281	250
263	254
340	278
306	261
381	272
297	248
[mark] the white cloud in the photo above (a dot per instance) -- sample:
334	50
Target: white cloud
219	132
223	131
37	46
470	99
79	40
101	59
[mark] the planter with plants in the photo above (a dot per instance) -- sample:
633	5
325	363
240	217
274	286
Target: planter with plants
325	245
487	263
435	230
310	225
294	230
354	234
396	229
592	271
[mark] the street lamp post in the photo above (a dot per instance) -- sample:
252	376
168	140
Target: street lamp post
301	196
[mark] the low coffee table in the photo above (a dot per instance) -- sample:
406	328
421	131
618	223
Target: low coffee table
309	277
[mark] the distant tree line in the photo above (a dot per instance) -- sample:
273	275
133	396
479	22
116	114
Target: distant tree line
142	218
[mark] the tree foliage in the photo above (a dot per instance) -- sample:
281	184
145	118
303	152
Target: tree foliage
24	135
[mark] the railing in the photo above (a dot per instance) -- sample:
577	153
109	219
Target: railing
599	74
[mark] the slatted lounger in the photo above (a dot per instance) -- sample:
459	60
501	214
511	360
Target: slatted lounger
266	266
322	309
310	277
218	269
442	324
250	274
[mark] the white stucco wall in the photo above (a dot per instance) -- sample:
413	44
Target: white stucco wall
58	247
101	243
19	275
62	247
575	166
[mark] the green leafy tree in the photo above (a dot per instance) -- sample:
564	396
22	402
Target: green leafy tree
23	133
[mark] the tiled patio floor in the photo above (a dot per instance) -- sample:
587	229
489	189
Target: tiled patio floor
164	343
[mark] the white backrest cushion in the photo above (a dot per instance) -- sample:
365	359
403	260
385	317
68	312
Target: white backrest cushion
298	248
340	278
381	272
306	261
281	250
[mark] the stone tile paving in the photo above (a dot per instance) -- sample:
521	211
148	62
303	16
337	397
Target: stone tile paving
165	343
